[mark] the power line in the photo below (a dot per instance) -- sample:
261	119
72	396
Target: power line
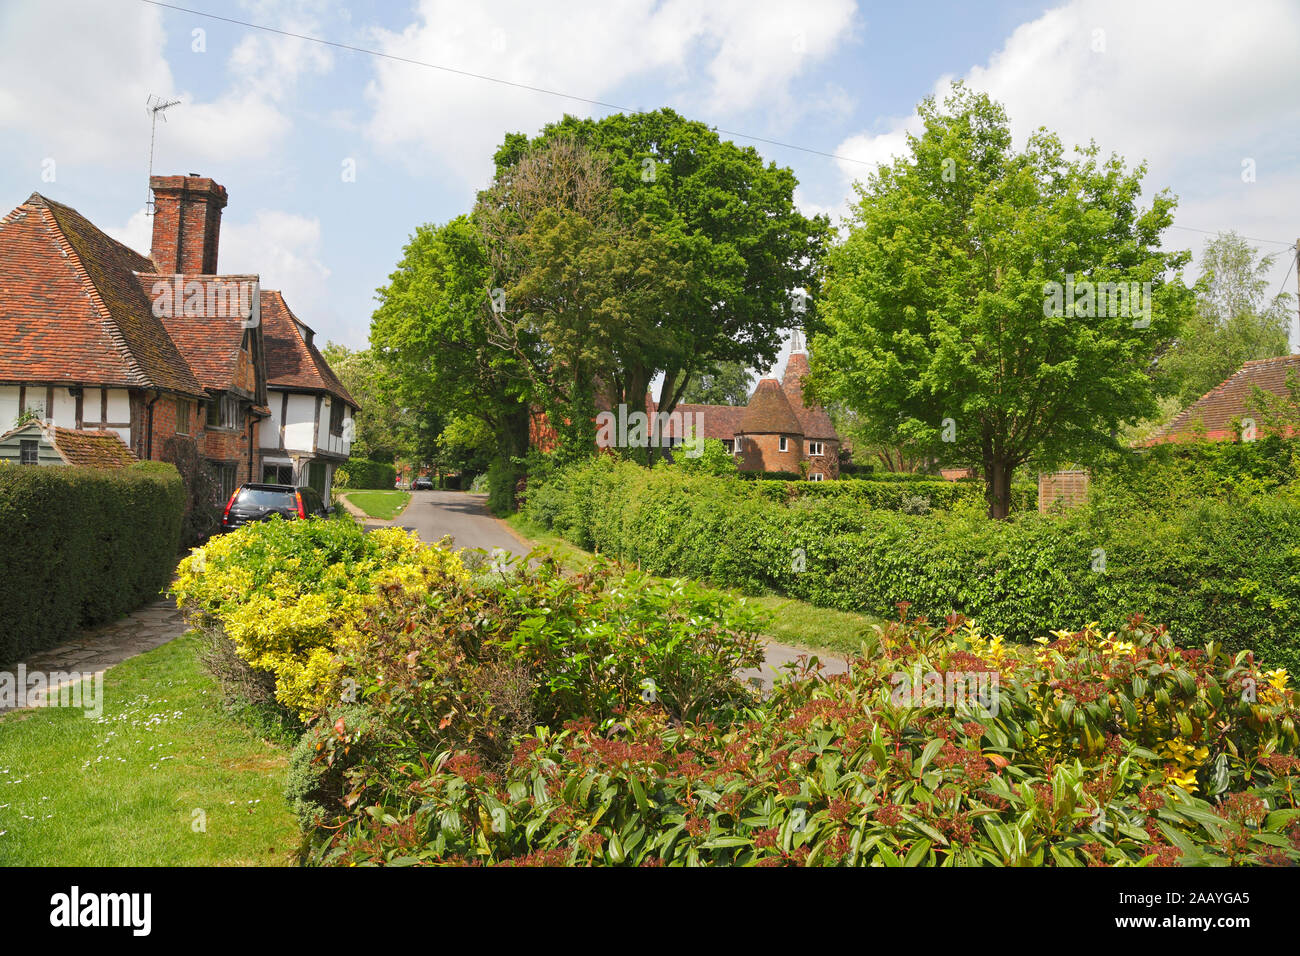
1215	232
547	92
483	76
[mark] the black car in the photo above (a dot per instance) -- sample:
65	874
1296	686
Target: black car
423	483
258	502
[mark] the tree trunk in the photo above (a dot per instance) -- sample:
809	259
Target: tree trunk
997	487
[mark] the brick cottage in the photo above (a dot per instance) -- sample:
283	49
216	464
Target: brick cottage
164	351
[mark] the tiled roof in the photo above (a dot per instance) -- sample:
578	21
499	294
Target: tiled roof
211	342
1214	412
814	420
92	448
769	412
71	309
292	361
711	421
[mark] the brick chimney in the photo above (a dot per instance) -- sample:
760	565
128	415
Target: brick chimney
186	223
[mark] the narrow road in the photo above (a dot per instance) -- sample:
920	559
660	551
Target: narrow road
433	514
465	517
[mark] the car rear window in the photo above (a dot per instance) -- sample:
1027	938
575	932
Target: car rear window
266	498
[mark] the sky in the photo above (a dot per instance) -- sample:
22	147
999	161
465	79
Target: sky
332	158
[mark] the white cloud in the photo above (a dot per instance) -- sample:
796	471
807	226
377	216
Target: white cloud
1191	86
84	101
721	58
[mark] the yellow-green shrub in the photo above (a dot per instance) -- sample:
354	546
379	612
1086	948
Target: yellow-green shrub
288	594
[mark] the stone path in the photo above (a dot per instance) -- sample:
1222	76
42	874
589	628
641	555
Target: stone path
96	650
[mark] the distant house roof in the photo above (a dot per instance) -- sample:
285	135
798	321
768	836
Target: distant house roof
769	412
90	448
292	359
708	421
815	422
72	309
1212	415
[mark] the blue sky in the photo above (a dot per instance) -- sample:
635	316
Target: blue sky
1196	88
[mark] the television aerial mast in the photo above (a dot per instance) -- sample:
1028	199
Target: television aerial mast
156	106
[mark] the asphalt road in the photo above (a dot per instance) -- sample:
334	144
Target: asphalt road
466	518
433	514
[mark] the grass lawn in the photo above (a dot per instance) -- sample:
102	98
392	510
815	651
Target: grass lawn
794	622
123	790
380	504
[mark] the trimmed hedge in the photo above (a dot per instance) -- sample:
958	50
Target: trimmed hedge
81	546
1223	571
895	495
361	473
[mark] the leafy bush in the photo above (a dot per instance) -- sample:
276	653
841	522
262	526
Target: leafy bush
362	474
287	594
1226	571
81	546
1094	749
504	480
473	665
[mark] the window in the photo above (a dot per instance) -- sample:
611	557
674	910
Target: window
182	417
816	448
29	451
816	476
785	443
225	476
337	408
277	474
223	412
738	446
729	444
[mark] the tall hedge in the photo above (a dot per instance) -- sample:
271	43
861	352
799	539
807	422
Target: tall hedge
362	473
1225	571
81	546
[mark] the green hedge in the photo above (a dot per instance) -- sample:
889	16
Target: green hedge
1225	571
361	473
917	495
81	546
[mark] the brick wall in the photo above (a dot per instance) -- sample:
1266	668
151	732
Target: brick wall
1070	488
763	453
827	463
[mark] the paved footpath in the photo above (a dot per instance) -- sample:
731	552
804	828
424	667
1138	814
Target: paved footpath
94	651
466	518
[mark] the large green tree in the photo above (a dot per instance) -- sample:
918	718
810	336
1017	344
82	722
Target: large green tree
742	248
725	383
432	330
578	286
956	319
1235	320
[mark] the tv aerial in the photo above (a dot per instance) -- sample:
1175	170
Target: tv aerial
156	106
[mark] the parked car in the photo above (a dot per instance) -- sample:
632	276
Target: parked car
256	501
423	483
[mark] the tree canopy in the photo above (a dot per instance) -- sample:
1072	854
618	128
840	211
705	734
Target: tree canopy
981	307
